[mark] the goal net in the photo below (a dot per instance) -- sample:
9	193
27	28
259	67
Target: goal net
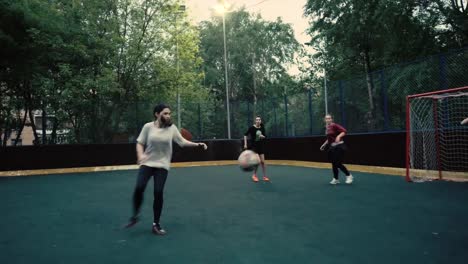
436	139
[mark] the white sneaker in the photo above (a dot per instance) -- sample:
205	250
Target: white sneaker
349	179
334	181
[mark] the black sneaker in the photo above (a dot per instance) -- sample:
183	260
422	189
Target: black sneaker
158	230
133	220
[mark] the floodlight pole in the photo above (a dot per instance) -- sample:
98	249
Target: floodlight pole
326	90
179	121
228	115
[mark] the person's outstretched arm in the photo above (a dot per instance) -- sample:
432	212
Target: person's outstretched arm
181	141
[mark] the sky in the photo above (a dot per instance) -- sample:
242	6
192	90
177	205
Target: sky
290	11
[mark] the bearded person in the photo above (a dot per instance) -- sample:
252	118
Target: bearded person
154	153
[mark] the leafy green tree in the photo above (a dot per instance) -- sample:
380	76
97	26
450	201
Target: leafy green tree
357	36
88	63
454	19
258	54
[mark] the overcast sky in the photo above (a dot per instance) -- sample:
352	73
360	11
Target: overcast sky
290	11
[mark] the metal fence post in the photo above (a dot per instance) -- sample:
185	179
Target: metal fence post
275	119
136	119
249	115
286	125
310	112
384	99
342	105
325	88
443	72
263	108
199	122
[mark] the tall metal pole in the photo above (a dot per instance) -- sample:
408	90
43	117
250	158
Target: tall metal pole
326	91
179	121
177	80
226	79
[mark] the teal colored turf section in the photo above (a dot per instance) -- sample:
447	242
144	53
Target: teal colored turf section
217	215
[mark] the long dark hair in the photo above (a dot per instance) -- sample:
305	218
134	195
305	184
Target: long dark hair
159	107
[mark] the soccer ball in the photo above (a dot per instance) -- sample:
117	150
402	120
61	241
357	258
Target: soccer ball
248	160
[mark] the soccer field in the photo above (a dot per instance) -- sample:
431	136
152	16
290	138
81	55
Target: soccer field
217	215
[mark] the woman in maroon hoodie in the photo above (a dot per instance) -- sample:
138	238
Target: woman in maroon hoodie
336	149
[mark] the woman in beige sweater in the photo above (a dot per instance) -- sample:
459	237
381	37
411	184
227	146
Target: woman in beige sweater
154	153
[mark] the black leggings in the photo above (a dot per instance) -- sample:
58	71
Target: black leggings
335	156
144	174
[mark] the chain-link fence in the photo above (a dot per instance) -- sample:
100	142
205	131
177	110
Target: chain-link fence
373	103
350	100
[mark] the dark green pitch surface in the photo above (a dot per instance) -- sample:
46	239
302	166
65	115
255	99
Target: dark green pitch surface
217	215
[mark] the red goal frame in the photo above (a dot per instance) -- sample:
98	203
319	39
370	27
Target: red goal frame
408	126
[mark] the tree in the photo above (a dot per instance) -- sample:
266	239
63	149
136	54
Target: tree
455	19
258	54
357	36
21	59
88	63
